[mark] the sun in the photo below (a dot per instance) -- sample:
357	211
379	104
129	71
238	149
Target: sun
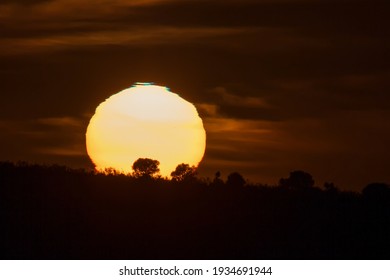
145	121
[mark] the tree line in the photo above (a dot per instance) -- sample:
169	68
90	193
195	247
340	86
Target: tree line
298	179
54	212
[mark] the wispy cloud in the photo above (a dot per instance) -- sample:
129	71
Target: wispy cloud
62	121
71	150
134	37
64	24
239	100
44	137
207	109
64	8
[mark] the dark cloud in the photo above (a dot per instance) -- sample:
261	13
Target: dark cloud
45	140
24	2
326	22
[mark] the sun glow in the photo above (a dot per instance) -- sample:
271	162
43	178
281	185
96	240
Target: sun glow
145	121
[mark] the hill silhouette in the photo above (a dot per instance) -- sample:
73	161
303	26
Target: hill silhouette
53	212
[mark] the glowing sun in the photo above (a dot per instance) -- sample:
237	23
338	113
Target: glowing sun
145	121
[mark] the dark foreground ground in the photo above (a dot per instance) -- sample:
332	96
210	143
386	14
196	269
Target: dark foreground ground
57	213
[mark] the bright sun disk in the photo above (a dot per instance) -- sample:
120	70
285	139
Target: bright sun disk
145	121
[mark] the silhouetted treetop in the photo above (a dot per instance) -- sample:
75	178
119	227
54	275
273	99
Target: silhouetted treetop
377	192
145	167
297	180
183	172
111	171
331	188
235	179
217	182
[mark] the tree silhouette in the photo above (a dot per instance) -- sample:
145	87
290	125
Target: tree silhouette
331	188
235	179
297	180
183	172
377	193
217	182
118	211
111	171
145	167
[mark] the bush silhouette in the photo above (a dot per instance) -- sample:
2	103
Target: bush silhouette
299	180
217	182
145	167
377	193
235	179
184	172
